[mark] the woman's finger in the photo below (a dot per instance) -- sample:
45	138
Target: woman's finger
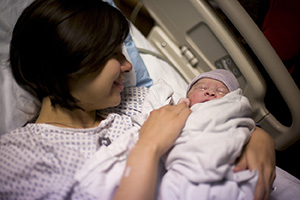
241	164
163	126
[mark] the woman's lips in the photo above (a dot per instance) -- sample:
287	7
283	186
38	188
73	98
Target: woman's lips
119	85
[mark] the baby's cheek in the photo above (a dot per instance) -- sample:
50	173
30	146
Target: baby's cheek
195	97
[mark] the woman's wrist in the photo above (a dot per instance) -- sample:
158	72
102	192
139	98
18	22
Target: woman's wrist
140	174
260	136
147	149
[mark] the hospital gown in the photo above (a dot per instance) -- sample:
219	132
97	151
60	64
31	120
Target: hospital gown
39	161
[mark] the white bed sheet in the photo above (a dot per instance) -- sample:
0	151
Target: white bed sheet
159	68
16	105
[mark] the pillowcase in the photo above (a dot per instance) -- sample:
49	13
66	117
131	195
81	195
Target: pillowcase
17	106
142	75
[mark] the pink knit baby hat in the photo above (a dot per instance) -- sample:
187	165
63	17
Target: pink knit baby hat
225	76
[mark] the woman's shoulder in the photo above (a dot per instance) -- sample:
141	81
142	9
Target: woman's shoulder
17	134
23	139
36	163
35	139
28	145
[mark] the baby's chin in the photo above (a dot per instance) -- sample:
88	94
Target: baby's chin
204	101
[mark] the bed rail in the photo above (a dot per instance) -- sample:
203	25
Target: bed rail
195	39
275	68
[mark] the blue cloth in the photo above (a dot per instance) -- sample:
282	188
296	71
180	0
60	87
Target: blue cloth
142	75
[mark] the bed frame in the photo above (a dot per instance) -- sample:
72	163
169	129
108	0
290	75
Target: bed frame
191	35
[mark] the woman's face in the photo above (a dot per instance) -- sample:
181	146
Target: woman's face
205	90
102	89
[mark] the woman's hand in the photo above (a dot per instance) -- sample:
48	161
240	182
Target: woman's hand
163	126
259	154
157	136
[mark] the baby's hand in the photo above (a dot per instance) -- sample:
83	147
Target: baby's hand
184	100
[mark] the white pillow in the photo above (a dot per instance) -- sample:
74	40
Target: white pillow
17	106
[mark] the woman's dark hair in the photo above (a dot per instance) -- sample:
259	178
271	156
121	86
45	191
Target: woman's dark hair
58	40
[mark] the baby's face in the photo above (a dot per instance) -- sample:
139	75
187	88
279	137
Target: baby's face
206	89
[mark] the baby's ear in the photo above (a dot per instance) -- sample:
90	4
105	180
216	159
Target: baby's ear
184	100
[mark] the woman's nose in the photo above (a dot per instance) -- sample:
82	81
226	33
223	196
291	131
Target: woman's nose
126	66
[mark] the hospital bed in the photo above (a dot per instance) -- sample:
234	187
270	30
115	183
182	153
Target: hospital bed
193	38
188	38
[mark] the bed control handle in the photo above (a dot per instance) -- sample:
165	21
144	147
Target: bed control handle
189	56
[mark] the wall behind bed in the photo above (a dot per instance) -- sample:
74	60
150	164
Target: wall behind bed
137	14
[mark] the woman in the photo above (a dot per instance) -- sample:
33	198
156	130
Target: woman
68	53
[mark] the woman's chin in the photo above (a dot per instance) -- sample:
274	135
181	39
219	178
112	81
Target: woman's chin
116	100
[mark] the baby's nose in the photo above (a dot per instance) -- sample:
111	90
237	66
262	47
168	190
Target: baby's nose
210	93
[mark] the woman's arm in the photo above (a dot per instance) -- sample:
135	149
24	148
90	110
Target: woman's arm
259	154
157	136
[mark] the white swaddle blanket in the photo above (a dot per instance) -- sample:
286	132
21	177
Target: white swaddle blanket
201	161
103	171
204	153
212	139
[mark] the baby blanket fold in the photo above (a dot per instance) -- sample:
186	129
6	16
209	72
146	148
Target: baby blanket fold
200	163
213	136
202	156
212	139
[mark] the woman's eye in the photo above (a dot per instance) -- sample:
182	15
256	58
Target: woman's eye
118	55
115	54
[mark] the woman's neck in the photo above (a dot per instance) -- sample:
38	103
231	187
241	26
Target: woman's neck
63	117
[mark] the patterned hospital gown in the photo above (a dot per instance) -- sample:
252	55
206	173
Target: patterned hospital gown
39	161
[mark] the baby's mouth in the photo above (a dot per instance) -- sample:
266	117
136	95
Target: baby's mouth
206	100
